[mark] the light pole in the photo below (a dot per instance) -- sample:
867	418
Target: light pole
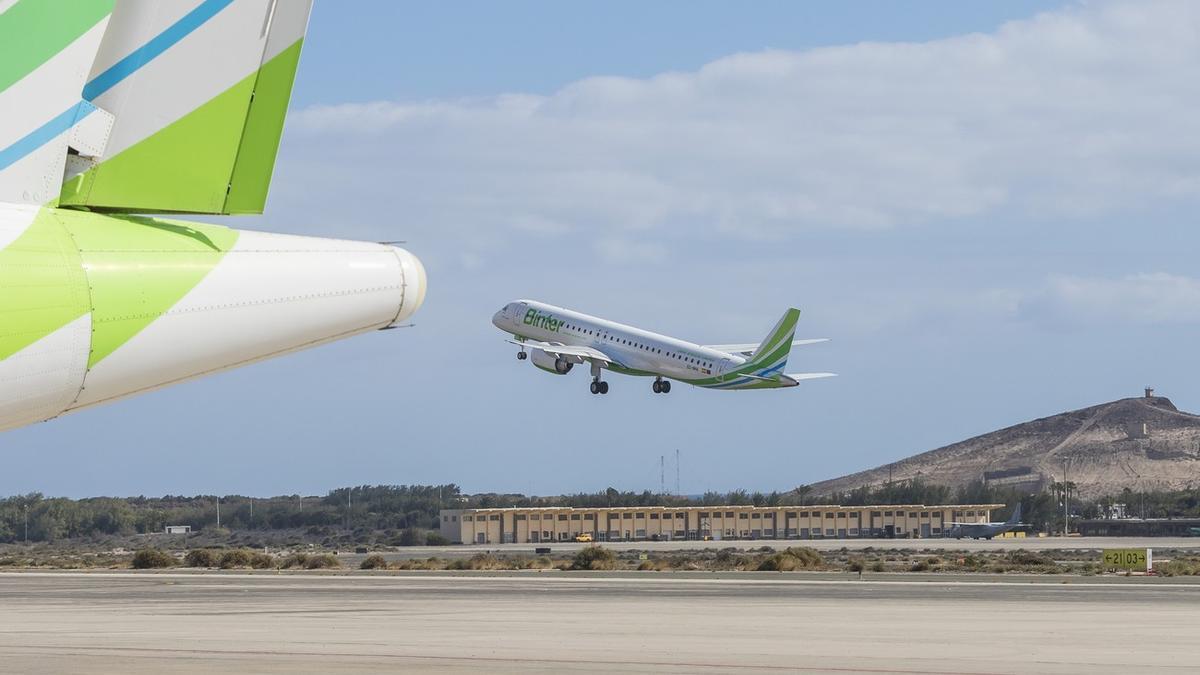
25	510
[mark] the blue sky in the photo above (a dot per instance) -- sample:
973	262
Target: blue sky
988	207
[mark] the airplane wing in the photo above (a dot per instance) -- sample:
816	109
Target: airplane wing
569	351
808	376
747	348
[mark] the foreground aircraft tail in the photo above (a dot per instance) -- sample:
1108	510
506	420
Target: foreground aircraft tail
144	106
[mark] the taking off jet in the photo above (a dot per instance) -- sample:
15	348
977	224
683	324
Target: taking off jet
557	339
110	108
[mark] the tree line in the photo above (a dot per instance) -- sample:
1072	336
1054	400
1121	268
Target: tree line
37	518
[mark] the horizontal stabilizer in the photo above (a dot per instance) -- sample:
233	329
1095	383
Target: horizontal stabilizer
809	376
747	348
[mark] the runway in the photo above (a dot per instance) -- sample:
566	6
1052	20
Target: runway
570	622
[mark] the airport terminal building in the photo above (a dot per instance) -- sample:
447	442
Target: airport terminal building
664	523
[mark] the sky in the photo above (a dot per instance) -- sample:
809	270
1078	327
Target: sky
989	207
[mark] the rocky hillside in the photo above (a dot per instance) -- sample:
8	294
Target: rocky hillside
1140	443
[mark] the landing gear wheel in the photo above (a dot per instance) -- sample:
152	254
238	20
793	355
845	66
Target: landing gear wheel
595	387
521	356
665	387
657	386
603	387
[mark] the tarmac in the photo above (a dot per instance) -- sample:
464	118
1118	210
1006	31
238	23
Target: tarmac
110	622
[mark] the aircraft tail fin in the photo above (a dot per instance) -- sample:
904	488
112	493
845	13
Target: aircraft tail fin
772	353
191	98
1015	517
48	48
145	106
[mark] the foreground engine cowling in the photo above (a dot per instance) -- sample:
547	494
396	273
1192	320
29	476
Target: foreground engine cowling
550	364
94	308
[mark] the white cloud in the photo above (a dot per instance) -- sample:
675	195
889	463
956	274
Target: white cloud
1075	113
1156	298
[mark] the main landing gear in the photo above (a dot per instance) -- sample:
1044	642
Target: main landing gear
521	355
661	386
598	386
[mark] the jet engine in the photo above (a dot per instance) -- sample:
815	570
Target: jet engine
549	363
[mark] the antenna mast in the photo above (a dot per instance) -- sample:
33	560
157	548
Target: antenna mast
662	475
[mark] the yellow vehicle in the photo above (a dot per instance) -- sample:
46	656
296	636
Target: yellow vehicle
583	536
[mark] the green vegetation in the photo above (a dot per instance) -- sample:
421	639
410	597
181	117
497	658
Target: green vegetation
322	561
242	558
594	558
791	559
373	562
202	557
371	508
1178	567
152	558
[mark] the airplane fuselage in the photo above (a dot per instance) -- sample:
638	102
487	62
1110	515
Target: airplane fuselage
634	351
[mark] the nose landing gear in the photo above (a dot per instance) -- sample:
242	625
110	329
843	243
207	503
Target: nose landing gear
521	355
661	386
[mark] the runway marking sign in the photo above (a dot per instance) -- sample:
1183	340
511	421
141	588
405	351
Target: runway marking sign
1134	559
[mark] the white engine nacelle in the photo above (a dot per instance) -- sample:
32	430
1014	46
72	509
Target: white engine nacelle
550	364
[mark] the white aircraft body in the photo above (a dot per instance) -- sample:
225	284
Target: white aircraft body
987	530
558	339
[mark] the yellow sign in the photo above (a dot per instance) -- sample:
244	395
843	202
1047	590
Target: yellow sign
1137	559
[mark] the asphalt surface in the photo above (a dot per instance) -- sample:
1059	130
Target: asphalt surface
571	622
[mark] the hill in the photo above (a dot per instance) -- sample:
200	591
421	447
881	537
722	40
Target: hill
1140	443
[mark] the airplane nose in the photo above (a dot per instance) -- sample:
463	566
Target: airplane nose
498	319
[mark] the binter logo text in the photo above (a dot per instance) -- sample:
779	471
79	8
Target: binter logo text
539	320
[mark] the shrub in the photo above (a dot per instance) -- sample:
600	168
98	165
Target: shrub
1029	558
374	562
594	558
323	561
152	558
410	537
297	560
877	566
202	557
238	557
920	566
791	558
485	561
1179	567
856	565
261	561
436	539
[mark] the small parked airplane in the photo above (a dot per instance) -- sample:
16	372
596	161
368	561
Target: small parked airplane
987	530
558	339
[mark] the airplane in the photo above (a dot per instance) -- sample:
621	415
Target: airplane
987	530
111	108
558	339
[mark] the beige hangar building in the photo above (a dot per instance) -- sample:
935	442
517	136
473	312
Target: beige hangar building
664	523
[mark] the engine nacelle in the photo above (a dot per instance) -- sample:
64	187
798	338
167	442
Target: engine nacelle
550	364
